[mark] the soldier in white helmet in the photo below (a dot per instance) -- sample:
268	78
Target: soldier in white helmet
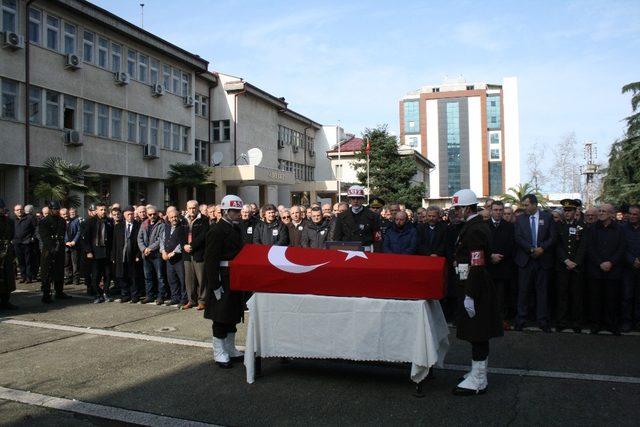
358	223
478	315
224	306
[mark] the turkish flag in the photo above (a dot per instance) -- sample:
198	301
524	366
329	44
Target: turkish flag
281	269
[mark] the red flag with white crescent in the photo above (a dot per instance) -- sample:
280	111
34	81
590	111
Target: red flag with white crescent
345	273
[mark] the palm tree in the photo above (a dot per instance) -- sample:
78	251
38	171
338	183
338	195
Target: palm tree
189	175
514	195
58	178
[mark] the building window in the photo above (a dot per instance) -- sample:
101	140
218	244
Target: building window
70	105
35	105
116	57
197	104
131	63
69	38
116	123
88	116
153	130
35	19
493	112
221	130
413	141
186	78
53	109
185	139
103	120
453	147
495	148
9	13
175	134
53	32
204	106
143	122
87	46
435	90
495	178
155	65
176	81
103	53
166	77
200	152
131	127
143	68
9	99
470	87
166	135
411	116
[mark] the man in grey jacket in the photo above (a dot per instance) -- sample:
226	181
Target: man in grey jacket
149	237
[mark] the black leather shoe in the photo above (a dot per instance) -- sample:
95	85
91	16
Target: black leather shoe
8	306
134	300
148	300
62	295
577	330
222	365
518	328
125	299
47	299
467	392
546	329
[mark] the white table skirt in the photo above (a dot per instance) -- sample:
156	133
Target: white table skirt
363	329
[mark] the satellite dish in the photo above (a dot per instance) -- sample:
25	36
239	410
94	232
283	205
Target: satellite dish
254	156
217	158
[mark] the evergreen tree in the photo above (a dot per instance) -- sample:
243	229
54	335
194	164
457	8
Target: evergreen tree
621	184
390	173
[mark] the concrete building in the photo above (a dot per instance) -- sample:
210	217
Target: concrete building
82	84
471	133
341	163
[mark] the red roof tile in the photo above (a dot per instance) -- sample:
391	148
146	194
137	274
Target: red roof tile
353	144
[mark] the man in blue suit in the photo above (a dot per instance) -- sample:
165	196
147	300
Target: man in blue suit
535	245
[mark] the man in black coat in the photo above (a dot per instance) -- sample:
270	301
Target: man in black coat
98	235
271	231
248	223
605	252
172	243
449	302
295	227
197	229
570	283
500	266
478	317
224	306
126	257
24	242
535	245
358	224
7	268
431	235
315	232
51	230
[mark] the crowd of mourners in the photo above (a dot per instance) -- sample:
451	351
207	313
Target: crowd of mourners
582	272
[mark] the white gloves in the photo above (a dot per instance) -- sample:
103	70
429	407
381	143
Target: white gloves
470	306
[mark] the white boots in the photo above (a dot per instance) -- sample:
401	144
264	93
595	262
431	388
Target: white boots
230	346
220	354
475	382
224	350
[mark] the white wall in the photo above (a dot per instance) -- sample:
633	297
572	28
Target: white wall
432	148
476	169
511	131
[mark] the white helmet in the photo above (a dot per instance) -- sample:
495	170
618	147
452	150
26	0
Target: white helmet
464	197
355	191
231	202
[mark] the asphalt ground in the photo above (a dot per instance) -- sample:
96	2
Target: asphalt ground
158	369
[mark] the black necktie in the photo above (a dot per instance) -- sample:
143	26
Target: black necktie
128	233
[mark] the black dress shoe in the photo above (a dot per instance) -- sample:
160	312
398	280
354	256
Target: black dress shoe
577	330
125	299
47	299
546	329
595	331
134	300
8	306
148	300
223	365
518	328
458	391
62	295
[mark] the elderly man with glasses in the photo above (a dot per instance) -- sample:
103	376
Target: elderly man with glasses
149	236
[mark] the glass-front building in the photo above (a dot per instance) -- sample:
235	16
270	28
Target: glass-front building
411	117
453	146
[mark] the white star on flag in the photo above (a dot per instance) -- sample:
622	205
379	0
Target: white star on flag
354	254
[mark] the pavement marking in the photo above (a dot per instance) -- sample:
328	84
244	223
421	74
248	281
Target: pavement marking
206	344
95	410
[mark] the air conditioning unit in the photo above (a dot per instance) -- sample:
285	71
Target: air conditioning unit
72	61
150	151
121	78
280	143
295	148
72	138
12	41
157	89
188	101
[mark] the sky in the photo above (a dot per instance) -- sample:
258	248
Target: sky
352	61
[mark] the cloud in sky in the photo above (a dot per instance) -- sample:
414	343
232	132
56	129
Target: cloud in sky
352	61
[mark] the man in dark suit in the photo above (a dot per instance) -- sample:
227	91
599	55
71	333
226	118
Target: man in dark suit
126	256
500	265
535	244
197	229
97	248
431	235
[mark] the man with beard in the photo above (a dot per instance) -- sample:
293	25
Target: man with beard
315	232
431	234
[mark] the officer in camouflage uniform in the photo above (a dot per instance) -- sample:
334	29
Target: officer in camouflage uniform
51	230
7	270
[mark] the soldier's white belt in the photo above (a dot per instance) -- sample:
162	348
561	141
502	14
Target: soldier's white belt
224	263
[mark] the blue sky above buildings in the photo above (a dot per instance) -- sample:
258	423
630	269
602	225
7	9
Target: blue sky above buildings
352	61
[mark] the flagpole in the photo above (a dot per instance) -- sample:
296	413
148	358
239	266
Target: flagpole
339	165
368	187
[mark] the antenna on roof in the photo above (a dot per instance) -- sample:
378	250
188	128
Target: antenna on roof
142	15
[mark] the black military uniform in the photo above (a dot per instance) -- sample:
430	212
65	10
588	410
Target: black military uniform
51	230
224	242
570	281
356	227
7	256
